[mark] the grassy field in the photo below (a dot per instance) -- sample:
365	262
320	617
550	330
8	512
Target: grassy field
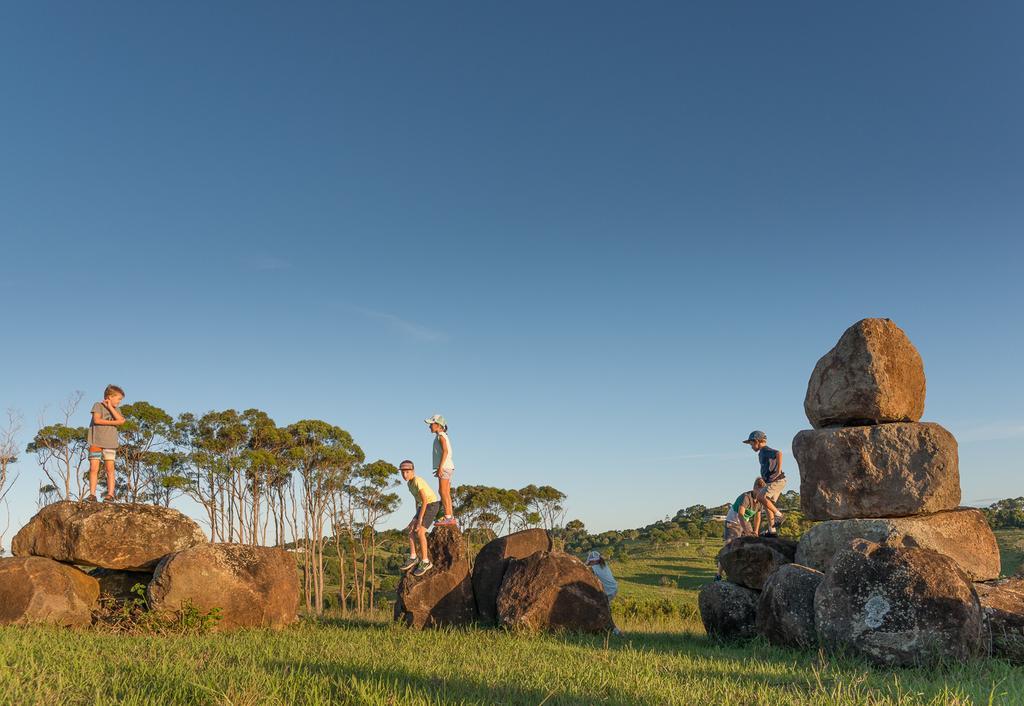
658	661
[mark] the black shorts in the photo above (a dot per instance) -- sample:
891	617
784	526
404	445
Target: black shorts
429	514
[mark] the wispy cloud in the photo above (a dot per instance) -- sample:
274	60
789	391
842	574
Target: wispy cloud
993	431
266	263
411	329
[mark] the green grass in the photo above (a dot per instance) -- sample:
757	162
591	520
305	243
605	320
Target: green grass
379	663
1011	550
659	661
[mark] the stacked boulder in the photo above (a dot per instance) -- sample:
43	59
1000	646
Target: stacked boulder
518	581
127	544
894	570
898	553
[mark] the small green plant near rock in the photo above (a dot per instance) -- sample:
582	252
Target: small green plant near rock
133	616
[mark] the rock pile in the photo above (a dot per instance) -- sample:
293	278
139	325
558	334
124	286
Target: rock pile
518	581
888	574
130	544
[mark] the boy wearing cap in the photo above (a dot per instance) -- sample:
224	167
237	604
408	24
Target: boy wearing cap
443	465
427	506
774	479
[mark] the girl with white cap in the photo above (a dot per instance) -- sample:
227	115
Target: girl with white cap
444	466
600	567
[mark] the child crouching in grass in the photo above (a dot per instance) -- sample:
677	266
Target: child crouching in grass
427	506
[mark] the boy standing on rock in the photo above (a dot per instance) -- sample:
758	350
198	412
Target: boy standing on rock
102	439
427	505
774	478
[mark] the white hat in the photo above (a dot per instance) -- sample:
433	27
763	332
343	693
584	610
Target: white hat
594	555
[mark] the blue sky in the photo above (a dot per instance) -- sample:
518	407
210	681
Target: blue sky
606	240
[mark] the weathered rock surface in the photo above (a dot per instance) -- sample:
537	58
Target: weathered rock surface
785	610
491	563
552	591
119	584
444	595
749	561
887	470
728	611
253	586
1003	605
898	606
963	535
39	590
126	536
873	375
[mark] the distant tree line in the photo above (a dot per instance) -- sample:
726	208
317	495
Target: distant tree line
1005	514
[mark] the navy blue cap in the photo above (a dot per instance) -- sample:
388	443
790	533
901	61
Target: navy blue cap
756	436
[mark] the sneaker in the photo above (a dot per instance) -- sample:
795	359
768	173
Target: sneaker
90	499
410	563
769	533
447	522
423	568
616	632
779	518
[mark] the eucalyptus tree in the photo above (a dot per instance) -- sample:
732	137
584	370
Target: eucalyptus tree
61	451
8	456
323	456
142	460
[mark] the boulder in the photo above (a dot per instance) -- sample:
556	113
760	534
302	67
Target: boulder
898	606
443	595
119	584
252	586
962	534
873	375
125	536
888	470
492	561
1003	605
728	611
38	590
748	561
552	591
785	610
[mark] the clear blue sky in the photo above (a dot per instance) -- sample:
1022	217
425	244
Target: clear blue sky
606	240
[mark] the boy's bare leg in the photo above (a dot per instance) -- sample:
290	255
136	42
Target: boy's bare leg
445	484
94	472
412	541
110	477
424	556
770	507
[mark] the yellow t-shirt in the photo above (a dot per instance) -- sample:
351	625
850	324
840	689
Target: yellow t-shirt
417	486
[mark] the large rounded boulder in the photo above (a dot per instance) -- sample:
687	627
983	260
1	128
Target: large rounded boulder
962	534
873	375
728	611
39	590
749	561
785	609
1003	605
552	591
252	586
491	563
886	470
898	606
443	595
123	536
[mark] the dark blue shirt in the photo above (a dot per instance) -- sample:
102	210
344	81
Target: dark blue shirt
770	470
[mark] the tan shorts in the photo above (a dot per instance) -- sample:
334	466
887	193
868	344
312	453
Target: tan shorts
774	489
